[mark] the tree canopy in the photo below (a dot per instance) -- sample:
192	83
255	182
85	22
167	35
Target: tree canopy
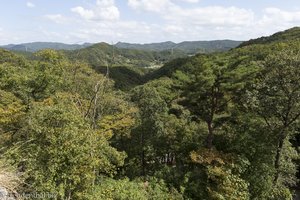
219	126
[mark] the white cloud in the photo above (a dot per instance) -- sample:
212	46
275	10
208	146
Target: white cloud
86	14
273	20
103	10
173	29
156	5
191	1
105	3
184	23
172	22
211	16
117	31
153	5
30	4
277	14
218	22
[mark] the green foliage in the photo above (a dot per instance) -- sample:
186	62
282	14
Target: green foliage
133	190
168	69
9	57
15	79
119	190
11	109
151	110
276	99
125	77
63	154
223	178
12	112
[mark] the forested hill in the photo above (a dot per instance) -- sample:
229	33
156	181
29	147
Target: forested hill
103	54
217	126
190	47
290	34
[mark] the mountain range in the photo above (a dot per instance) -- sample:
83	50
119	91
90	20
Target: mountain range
36	46
189	47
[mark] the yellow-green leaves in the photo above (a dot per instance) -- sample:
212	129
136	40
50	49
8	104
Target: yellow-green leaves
11	108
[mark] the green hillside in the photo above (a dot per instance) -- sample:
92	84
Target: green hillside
103	54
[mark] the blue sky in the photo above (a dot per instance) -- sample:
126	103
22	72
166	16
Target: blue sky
143	21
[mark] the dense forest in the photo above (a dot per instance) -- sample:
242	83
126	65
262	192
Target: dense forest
218	126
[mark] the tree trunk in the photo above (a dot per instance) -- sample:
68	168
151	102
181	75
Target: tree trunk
143	163
210	137
278	157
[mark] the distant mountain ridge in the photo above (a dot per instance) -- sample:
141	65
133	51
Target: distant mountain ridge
190	47
36	46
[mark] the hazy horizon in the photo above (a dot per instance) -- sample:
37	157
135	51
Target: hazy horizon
82	43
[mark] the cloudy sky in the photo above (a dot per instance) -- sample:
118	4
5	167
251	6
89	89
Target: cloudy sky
143	21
